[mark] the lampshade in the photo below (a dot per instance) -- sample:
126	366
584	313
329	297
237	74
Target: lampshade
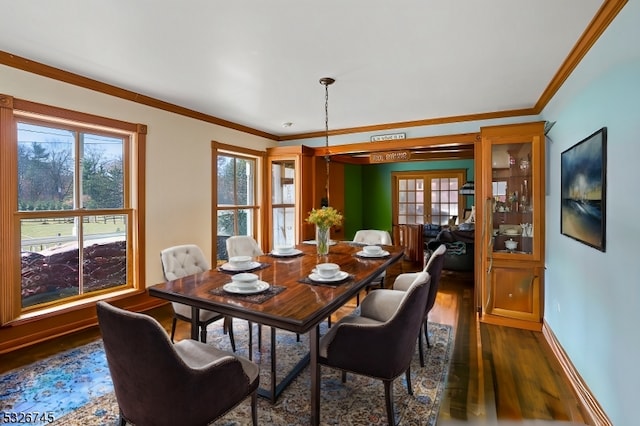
468	188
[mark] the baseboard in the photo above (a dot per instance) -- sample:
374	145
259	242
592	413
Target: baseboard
593	412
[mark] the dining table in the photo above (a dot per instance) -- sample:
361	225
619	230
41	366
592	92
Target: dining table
291	297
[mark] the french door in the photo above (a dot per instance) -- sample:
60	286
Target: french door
421	197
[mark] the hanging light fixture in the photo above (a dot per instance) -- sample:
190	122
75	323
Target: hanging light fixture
326	82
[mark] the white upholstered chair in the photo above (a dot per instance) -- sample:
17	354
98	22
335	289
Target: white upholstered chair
243	245
373	237
180	261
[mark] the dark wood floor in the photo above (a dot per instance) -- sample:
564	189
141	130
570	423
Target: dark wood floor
497	373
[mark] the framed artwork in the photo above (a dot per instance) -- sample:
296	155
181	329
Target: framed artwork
583	169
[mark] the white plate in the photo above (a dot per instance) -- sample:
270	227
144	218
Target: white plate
512	232
293	252
362	253
259	288
338	277
230	267
313	242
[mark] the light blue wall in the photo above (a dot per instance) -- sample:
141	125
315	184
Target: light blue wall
592	299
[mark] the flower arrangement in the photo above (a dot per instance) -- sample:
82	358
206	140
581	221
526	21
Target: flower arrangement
326	217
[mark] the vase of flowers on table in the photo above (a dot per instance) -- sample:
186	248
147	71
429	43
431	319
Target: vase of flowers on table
324	218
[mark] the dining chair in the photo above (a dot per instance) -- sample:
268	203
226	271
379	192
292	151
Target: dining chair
372	237
403	282
381	340
243	245
180	261
157	382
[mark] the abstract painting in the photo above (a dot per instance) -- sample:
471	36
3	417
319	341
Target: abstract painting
583	190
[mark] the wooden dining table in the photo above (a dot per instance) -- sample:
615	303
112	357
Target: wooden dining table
292	302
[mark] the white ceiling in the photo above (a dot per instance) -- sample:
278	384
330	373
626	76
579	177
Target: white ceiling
257	63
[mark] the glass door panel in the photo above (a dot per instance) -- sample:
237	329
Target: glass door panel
512	192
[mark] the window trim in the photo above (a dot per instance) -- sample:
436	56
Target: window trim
10	303
218	148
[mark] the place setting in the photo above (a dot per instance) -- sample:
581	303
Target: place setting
239	264
285	251
327	273
372	252
248	286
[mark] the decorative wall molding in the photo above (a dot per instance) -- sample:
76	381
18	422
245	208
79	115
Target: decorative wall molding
592	411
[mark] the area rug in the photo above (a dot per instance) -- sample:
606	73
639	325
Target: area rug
75	388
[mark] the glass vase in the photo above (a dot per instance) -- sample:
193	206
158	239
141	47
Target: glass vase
322	240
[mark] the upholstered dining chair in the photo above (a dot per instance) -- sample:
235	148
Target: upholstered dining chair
372	237
180	261
160	383
388	326
243	245
403	282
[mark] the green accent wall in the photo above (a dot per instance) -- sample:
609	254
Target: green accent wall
368	191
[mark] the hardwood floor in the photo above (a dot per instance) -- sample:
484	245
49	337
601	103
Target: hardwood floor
497	374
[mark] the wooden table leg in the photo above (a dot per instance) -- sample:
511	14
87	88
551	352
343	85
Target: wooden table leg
314	368
195	315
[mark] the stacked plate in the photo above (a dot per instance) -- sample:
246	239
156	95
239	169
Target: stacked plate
327	273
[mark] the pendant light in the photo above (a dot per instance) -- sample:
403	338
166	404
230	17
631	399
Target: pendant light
326	82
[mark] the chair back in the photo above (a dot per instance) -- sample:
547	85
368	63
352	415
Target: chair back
372	236
412	239
434	268
145	370
382	350
243	245
180	261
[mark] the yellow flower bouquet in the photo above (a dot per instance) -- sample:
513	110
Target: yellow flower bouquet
324	219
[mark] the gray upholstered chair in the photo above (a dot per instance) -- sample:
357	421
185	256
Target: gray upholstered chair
381	341
159	383
373	237
180	261
403	282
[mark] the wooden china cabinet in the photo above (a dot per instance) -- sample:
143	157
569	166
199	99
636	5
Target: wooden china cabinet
510	207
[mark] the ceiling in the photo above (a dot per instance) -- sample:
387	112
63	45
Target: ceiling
257	63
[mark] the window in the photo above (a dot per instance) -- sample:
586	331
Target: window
75	216
237	208
426	197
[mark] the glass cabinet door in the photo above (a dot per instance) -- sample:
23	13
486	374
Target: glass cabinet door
513	196
283	201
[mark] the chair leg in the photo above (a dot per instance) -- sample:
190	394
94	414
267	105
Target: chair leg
203	333
259	337
344	376
420	348
121	420
358	299
426	334
408	376
250	341
173	327
388	399
254	408
229	326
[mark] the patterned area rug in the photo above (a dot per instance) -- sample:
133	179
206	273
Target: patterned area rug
75	386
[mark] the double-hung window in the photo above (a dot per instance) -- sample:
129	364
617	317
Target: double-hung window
76	213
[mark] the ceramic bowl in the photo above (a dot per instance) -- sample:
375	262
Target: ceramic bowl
245	280
372	250
327	270
284	249
240	262
510	244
